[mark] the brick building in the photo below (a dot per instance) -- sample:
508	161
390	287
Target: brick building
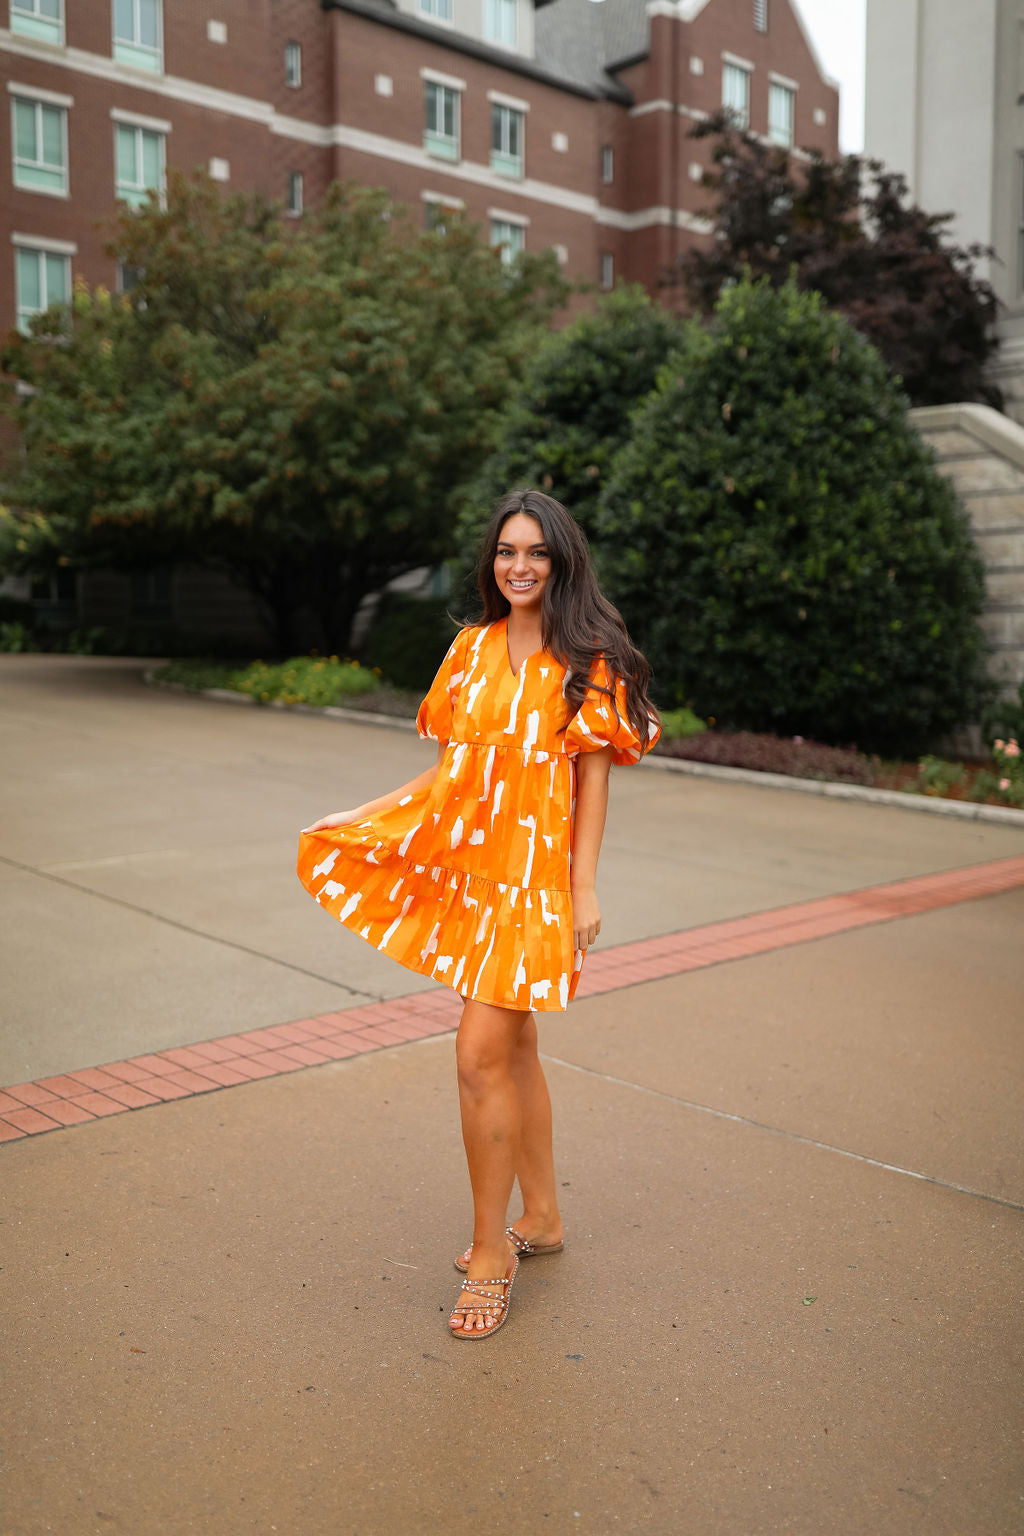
556	123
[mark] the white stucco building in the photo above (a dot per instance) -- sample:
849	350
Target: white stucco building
944	104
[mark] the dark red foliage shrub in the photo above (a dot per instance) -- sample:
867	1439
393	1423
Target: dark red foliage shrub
773	754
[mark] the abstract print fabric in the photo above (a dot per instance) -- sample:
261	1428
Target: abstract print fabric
467	881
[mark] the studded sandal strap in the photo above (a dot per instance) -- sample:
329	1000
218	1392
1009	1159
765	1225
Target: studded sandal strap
522	1244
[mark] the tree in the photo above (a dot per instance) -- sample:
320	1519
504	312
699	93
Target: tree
570	415
292	404
780	542
845	228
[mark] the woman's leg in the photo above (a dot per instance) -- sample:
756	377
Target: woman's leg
488	1098
540	1222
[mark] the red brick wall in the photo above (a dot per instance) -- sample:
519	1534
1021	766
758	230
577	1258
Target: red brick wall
341	54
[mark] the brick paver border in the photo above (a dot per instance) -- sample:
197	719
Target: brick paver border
72	1098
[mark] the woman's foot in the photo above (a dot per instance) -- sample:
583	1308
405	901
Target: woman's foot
542	1236
483	1302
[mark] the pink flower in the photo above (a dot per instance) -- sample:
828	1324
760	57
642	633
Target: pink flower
799	740
1004	783
1011	749
999	745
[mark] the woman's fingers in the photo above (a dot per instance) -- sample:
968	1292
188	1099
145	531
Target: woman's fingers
335	819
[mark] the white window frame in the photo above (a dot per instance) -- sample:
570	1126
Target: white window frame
760	15
26	20
40	105
502	226
293	64
294	202
733	72
501	22
607	165
137	193
132	51
438	142
503	159
437	10
781	128
42	249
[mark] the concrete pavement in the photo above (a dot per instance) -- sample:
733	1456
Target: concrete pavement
793	1182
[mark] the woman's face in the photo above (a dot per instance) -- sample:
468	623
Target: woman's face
522	564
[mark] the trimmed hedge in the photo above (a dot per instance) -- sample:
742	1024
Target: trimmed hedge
781	544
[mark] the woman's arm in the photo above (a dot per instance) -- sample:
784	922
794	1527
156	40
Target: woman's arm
383	802
591	807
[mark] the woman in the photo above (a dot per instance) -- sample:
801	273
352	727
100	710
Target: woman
481	870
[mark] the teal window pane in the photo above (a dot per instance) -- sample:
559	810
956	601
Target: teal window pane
124	19
35	176
57	280
28	276
149	23
53	136
150	159
50	8
24	131
127	168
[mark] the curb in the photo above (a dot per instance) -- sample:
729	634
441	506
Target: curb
932	805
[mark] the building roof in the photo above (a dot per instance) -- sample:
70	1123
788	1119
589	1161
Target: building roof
582	40
576	41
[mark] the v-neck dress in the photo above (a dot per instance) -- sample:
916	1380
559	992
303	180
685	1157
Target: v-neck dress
467	881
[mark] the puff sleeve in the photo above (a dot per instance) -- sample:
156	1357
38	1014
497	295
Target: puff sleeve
434	720
595	725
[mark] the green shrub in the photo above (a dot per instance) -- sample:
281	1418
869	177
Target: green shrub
564	425
677	724
781	544
14	637
408	638
305	680
302	680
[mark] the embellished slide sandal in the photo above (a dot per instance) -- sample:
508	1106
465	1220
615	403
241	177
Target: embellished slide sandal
523	1247
490	1303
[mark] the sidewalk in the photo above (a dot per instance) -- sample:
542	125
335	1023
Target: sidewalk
792	1180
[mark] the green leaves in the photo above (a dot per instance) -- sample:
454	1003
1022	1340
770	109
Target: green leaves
797	566
291	402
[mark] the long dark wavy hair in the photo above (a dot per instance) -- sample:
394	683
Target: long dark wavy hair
578	623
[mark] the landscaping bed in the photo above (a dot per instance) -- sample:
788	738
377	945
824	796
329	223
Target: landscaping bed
338	682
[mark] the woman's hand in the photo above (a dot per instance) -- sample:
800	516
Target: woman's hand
586	917
335	819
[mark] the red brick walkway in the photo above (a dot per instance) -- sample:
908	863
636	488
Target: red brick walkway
28	1109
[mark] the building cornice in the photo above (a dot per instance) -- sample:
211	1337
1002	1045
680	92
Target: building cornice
458	42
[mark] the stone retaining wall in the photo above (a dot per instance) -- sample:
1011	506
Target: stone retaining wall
982	453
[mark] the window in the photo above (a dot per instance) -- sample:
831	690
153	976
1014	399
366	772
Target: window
607	164
508	237
761	15
43	19
437	216
506	140
607	270
137	33
736	93
441	136
139	158
441	10
781	111
293	65
294	202
41	278
40	146
1020	223
500	22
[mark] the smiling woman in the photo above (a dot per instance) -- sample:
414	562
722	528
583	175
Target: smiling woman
481	872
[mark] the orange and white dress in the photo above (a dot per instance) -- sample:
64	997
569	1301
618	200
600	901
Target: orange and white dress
467	881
